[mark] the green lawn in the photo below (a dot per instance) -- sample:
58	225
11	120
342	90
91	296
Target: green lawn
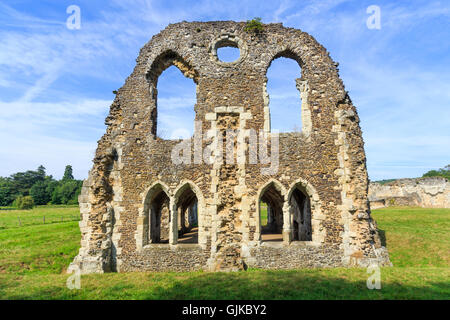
33	260
10	218
38	249
263	213
416	237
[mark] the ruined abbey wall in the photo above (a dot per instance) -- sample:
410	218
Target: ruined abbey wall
325	162
432	192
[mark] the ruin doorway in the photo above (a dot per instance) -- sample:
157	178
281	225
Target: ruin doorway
271	214
159	218
187	214
300	208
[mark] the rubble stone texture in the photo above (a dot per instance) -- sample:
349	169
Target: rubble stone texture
430	192
322	170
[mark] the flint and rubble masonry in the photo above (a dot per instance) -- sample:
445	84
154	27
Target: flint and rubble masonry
325	163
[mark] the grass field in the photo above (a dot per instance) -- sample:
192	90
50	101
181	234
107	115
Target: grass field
10	218
34	257
263	213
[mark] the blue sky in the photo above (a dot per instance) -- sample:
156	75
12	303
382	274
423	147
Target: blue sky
56	84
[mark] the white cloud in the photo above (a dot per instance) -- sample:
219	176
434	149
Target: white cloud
174	103
28	152
51	112
52	134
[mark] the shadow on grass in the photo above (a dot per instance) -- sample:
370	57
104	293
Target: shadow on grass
263	285
293	286
382	235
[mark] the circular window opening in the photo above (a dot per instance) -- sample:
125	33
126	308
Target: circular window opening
228	54
227	51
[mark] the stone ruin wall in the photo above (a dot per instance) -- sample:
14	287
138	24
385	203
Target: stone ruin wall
326	161
430	192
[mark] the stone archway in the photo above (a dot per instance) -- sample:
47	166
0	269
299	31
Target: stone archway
305	212
187	219
154	220
300	209
272	223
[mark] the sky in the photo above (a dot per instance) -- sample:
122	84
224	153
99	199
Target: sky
56	83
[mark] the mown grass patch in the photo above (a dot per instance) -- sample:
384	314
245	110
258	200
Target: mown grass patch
33	260
13	218
416	237
397	283
43	249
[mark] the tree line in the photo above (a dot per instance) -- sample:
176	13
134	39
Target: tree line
25	189
443	172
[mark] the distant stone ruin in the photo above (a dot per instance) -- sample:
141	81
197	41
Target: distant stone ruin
430	192
154	204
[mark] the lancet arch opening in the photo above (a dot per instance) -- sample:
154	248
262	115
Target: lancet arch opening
271	203
300	209
174	96
156	216
187	215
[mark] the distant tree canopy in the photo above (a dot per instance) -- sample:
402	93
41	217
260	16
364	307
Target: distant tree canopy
43	189
443	172
68	175
26	202
384	181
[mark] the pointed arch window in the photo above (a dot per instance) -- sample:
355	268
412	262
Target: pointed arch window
187	213
284	91
300	205
271	214
173	87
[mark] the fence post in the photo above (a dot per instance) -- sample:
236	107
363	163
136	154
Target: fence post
20	223
44	219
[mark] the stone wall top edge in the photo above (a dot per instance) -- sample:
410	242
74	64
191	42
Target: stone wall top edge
407	181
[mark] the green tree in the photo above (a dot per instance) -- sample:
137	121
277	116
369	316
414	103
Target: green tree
39	193
26	203
443	172
68	173
56	195
51	187
40	187
23	181
254	25
17	202
6	192
68	191
41	171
